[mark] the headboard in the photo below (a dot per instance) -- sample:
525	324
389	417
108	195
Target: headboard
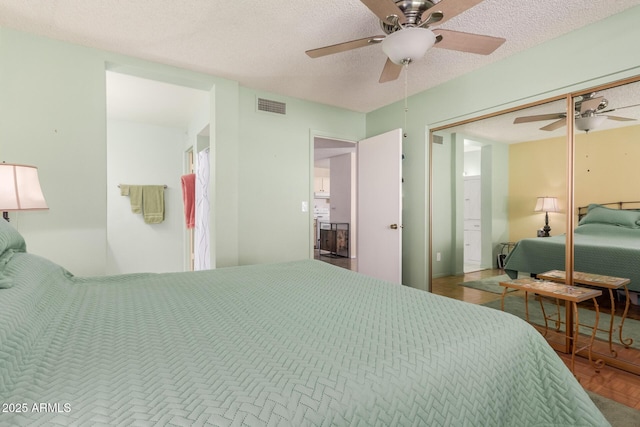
582	210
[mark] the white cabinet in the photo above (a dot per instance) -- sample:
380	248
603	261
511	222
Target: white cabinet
321	179
472	246
472	192
321	184
472	223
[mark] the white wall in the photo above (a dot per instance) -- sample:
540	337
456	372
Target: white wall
143	154
472	163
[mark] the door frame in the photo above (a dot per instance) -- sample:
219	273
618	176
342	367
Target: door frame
313	134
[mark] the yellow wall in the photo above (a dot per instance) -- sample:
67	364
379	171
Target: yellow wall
536	169
607	166
607	169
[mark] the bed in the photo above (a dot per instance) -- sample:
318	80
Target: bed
606	241
292	344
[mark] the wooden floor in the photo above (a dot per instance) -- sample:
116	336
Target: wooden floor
615	384
348	263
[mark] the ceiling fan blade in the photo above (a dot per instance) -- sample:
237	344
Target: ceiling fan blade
628	106
431	19
620	119
391	71
619	108
590	104
555	125
450	8
384	8
343	47
528	119
467	42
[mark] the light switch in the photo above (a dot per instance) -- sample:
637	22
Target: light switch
305	206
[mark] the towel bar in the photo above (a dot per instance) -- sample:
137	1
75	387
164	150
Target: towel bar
163	186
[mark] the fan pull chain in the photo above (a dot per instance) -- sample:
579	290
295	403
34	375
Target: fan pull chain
406	105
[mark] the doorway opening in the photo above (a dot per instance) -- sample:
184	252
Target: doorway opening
152	126
334	202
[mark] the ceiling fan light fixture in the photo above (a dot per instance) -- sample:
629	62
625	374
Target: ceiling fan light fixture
408	44
589	123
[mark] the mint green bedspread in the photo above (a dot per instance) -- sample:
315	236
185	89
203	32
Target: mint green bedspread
293	344
598	248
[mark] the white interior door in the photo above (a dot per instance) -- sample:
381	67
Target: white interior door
380	206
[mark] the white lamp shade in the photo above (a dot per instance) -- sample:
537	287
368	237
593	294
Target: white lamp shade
20	188
589	123
547	204
408	44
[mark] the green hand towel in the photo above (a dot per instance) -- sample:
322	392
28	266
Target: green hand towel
135	197
153	203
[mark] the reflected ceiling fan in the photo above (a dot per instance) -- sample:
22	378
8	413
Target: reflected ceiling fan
408	34
589	113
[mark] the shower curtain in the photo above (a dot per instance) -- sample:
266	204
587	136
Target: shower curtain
201	245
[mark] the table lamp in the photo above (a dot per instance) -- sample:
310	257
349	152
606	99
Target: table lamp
546	205
20	189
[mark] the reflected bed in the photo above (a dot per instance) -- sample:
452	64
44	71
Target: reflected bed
292	344
606	241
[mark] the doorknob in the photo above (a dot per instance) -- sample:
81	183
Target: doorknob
395	226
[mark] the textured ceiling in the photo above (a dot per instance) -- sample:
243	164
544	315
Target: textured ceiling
261	44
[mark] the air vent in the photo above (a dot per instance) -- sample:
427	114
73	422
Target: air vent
437	139
271	106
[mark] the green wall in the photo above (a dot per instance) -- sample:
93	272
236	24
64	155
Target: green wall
599	53
275	174
53	109
53	115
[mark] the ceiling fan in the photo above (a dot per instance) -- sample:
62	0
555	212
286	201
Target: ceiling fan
589	114
408	35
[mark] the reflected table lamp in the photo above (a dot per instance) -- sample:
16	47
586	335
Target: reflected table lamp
546	205
20	189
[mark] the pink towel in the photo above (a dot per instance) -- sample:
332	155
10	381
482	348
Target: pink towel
189	198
